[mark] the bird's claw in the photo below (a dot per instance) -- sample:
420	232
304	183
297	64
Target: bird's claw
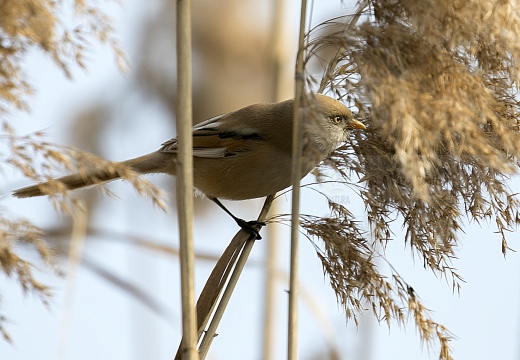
251	228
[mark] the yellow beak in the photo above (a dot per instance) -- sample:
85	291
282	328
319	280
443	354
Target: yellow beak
354	124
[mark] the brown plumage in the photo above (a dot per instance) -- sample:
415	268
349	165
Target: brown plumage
241	155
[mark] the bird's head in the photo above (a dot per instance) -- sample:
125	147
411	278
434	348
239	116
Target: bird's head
335	122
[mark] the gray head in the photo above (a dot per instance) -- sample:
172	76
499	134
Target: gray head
334	124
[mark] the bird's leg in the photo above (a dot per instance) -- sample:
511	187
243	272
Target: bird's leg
247	226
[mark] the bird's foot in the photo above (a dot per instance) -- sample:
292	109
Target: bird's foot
251	227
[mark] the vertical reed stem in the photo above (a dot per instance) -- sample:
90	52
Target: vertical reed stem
185	180
292	343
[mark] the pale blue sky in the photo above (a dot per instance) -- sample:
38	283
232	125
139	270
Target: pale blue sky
105	323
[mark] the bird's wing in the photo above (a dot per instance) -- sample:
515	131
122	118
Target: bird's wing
212	139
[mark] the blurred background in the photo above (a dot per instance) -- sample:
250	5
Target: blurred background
124	302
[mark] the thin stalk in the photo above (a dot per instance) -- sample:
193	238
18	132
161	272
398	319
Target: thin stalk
292	344
226	296
79	231
246	248
185	180
218	279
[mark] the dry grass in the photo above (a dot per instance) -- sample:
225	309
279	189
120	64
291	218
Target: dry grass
44	26
15	233
438	90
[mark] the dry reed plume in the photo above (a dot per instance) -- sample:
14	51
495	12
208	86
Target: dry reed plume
437	83
29	25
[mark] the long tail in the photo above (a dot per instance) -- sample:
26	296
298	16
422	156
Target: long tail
151	163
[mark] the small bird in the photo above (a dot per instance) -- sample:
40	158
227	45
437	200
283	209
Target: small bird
243	154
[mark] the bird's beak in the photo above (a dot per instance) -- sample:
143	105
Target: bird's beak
354	124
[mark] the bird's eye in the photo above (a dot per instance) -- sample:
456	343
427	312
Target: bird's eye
336	120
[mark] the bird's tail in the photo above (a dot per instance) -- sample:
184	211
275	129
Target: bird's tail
151	163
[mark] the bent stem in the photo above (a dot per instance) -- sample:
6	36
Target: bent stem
209	334
230	263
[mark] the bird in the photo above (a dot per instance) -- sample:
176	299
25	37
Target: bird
244	154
